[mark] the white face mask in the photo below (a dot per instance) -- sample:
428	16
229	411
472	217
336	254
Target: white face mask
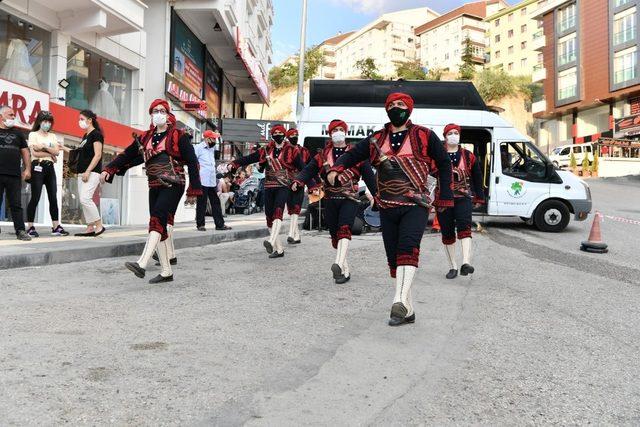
83	124
453	139
159	119
10	123
338	137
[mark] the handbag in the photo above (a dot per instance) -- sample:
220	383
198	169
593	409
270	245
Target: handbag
74	160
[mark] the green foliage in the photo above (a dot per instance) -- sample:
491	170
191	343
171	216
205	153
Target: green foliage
368	69
467	68
594	164
286	75
494	84
410	71
434	74
573	163
585	163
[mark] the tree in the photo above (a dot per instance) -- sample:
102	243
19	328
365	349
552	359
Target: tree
410	71
286	75
467	68
573	163
594	165
494	84
434	73
313	60
368	69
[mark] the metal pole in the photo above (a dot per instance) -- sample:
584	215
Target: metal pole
303	36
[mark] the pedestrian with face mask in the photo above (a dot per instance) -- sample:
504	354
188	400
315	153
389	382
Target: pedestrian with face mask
205	154
467	192
403	154
44	148
280	160
294	203
13	149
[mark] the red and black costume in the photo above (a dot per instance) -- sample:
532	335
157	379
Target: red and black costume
294	203
164	154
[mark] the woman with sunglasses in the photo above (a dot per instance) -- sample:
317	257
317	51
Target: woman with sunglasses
44	148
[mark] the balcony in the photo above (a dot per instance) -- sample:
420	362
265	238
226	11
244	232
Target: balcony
539	73
567	92
567	58
624	75
539	107
539	40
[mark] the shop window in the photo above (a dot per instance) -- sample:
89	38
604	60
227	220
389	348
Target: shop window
24	52
98	84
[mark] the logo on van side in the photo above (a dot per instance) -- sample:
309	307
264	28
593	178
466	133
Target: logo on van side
354	130
517	189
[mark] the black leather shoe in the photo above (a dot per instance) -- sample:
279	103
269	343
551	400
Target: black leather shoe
296	242
201	228
99	232
452	274
172	261
161	279
399	315
88	234
290	239
342	279
466	269
268	246
277	255
337	271
135	268
224	227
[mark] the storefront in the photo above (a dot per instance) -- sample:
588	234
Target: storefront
240	135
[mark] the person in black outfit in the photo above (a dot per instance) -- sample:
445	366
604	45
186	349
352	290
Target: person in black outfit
13	148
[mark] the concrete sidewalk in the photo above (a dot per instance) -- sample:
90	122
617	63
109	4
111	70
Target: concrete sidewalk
116	241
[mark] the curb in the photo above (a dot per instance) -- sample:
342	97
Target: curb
114	250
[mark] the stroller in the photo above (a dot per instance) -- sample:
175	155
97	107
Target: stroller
245	200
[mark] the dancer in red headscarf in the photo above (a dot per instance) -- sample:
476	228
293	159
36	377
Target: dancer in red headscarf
280	160
165	150
294	202
467	191
404	156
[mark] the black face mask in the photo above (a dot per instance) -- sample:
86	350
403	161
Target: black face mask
398	116
278	138
293	140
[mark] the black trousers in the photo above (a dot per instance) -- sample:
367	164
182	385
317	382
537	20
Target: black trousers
402	230
45	177
12	185
162	204
459	218
275	199
210	193
339	215
294	202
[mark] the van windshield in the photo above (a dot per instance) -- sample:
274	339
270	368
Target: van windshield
557	150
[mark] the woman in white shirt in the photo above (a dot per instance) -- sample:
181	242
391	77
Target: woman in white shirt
44	148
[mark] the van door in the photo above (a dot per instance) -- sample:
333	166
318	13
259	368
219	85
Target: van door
519	178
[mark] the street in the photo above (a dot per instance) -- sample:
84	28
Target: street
541	334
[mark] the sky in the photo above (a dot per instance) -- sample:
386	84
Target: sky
326	18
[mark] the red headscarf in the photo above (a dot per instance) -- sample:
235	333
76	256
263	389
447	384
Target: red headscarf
292	132
399	96
337	123
280	128
449	127
157	102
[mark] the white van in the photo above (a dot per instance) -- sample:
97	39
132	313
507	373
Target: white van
519	180
561	156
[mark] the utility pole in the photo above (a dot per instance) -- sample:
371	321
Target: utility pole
303	36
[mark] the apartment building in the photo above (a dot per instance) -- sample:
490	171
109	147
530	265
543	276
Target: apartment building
441	41
328	48
389	40
592	80
510	39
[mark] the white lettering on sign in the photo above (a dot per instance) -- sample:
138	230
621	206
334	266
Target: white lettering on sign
25	101
265	129
355	130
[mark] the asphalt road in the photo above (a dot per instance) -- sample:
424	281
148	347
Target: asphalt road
541	334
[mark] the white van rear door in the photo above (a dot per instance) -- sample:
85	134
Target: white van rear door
514	178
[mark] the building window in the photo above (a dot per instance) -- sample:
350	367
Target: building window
523	63
619	3
540	57
523	45
624	26
497	54
510	50
523	11
497	38
567	83
510	66
523	28
624	65
567	18
98	84
567	49
510	33
24	52
497	22
510	17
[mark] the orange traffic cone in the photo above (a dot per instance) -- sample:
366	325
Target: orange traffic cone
594	243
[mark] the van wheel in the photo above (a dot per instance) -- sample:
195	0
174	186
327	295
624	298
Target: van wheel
551	216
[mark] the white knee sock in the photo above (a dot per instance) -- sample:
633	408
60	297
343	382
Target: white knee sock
341	255
277	245
466	250
171	250
295	231
149	248
404	280
163	256
450	250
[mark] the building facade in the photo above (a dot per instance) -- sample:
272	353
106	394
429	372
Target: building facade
328	48
510	37
389	40
592	80
442	41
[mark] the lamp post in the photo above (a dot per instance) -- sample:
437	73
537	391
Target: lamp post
303	34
